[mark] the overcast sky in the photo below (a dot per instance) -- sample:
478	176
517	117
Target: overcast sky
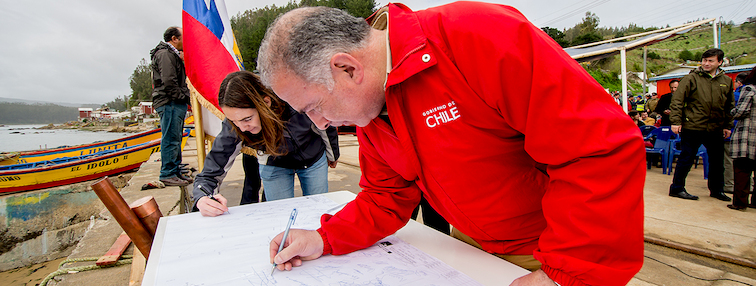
83	51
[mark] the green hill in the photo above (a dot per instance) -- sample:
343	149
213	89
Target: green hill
22	113
665	55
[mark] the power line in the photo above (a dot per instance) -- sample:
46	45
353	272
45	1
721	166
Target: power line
578	10
658	11
738	9
683	12
745	9
558	10
673	12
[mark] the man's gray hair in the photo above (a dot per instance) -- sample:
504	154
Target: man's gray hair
304	40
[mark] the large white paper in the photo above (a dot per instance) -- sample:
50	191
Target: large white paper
232	249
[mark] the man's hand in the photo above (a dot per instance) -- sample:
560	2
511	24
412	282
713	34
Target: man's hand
332	164
209	207
536	278
301	245
727	133
667	112
676	128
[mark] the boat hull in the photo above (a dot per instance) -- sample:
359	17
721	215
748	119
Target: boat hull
77	171
74	151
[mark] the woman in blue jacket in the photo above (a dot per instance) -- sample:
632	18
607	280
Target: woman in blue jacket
286	143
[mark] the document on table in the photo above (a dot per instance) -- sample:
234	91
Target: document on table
232	249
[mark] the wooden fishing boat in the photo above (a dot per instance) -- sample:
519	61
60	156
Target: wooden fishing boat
63	171
80	150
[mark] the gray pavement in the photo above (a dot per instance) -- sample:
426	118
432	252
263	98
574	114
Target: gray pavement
706	224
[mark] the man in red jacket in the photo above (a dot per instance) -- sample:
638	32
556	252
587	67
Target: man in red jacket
474	107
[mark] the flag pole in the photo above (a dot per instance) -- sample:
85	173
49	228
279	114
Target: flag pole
199	130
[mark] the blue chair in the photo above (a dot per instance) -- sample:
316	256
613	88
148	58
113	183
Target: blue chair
662	137
674	151
646	130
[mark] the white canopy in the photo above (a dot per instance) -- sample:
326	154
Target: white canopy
603	49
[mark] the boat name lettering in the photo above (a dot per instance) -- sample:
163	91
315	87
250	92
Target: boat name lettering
9	178
102	163
100	149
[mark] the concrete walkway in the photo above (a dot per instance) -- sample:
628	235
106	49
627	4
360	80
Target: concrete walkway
104	231
704	224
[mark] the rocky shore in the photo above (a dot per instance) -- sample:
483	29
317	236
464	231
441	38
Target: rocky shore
116	126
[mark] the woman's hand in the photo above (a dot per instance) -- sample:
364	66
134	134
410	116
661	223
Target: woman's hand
209	207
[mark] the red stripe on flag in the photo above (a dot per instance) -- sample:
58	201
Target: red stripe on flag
206	59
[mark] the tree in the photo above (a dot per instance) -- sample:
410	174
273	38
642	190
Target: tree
250	26
653	56
586	31
685	55
249	29
119	104
141	83
587	38
590	24
557	35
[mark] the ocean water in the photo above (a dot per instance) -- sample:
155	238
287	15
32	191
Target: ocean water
28	138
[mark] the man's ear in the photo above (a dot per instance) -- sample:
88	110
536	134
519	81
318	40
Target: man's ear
347	66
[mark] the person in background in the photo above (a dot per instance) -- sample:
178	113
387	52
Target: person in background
662	107
252	181
631	105
646	119
743	142
285	140
170	98
453	112
729	169
617	98
738	84
700	113
640	103
651	103
636	118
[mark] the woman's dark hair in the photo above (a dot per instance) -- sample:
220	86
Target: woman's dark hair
751	78
243	89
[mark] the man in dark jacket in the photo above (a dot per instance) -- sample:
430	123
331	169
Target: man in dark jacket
701	115
170	97
662	107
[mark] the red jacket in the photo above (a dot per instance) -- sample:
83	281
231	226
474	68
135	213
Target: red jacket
509	139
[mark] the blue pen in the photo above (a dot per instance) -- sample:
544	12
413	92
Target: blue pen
286	234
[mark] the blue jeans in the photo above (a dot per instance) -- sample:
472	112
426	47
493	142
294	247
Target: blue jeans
278	183
171	124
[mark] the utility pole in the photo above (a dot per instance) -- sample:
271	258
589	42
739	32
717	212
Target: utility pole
716	34
645	55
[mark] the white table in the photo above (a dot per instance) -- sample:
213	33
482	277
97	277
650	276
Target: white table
475	263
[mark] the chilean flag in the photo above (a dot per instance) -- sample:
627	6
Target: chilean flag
210	50
210	53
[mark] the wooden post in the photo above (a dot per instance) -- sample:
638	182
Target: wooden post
125	217
148	212
199	130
